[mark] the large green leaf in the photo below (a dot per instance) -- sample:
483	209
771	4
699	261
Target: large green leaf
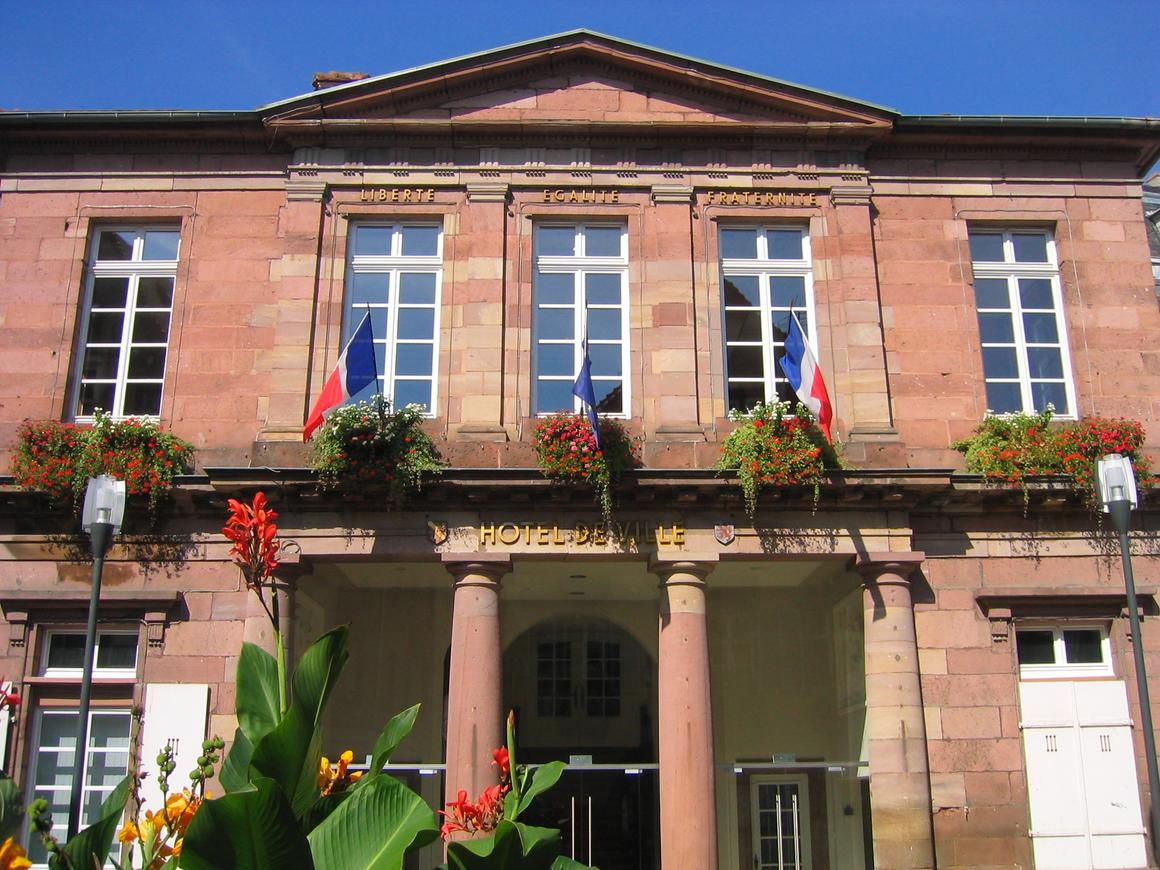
542	779
11	807
394	734
90	847
563	862
257	692
512	845
235	772
373	829
289	754
250	830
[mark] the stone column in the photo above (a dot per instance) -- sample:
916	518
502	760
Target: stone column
899	773
475	694
685	719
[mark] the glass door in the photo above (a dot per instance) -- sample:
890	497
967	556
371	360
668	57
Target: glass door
781	823
607	815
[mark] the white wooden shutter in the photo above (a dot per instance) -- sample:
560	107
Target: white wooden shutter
175	713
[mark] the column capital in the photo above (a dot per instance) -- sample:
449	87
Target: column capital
490	566
700	567
902	564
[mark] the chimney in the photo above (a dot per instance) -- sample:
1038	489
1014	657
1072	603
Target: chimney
334	77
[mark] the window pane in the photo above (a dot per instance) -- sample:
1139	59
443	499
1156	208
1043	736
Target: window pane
602	289
115	245
1004	398
101	362
555	323
784	244
996	328
604	323
117	651
416	323
738	243
151	327
1083	646
1029	247
606	360
110	292
556	359
94	396
155	293
609	396
987	247
147	362
555	288
378	324
556	241
1035	647
742	397
412	393
553	396
1044	394
991	293
742	326
420	241
999	362
373	241
161	245
142	400
1035	293
417	288
109	730
370	288
66	651
742	290
1040	328
1044	362
787	291
413	359
745	362
105	327
602	241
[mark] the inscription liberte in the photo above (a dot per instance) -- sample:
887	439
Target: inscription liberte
535	534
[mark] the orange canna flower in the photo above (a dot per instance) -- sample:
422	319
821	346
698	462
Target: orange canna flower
12	856
128	832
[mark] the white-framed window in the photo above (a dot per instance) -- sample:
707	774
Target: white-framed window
128	302
115	654
54	739
780	808
766	273
580	293
1019	304
395	271
1059	651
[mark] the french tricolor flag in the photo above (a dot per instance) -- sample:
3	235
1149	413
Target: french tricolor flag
355	371
805	376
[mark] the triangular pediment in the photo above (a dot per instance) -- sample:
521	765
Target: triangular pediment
578	78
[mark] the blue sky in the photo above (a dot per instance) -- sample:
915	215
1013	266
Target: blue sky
1067	57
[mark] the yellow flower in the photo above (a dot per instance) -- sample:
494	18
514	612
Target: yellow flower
12	856
325	774
128	832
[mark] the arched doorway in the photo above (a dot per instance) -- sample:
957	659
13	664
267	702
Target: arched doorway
584	691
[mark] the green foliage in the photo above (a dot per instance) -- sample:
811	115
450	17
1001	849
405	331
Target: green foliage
566	450
275	814
365	444
59	458
769	447
91	846
1009	448
11	808
512	845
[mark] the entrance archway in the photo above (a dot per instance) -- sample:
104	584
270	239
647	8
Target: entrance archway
584	691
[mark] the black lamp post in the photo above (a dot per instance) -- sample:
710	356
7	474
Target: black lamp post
104	509
1118	496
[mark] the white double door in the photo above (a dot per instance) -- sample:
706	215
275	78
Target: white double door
1081	775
